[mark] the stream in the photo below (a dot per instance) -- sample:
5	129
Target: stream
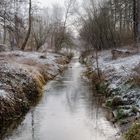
68	110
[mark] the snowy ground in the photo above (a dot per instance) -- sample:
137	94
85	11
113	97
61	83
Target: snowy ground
118	75
117	71
29	63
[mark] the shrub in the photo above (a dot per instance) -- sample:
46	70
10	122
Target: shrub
101	87
70	55
121	114
109	103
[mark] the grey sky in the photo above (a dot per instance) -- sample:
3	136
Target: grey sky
46	3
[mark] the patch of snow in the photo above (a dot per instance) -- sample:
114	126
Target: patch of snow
122	65
3	94
118	72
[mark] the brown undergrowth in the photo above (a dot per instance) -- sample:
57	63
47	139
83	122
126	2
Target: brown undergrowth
133	133
98	83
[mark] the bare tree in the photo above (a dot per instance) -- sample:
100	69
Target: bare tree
136	4
40	31
60	32
107	25
138	20
29	26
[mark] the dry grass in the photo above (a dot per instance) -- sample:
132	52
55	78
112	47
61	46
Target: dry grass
133	133
95	77
39	81
97	82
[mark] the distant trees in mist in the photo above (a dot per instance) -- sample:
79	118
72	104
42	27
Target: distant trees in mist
24	25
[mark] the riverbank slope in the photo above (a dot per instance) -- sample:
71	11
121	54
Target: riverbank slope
22	77
120	84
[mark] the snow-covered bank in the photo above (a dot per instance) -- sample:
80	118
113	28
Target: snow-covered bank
22	76
123	92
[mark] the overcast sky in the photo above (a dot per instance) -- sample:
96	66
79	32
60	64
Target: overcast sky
46	3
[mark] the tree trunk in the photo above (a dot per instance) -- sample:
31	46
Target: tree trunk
138	21
135	19
136	12
4	29
97	64
29	28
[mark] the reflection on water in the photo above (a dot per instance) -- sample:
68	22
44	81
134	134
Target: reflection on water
68	111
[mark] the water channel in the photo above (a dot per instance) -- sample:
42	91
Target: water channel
68	110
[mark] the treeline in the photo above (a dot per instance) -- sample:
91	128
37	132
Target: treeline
110	23
24	25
